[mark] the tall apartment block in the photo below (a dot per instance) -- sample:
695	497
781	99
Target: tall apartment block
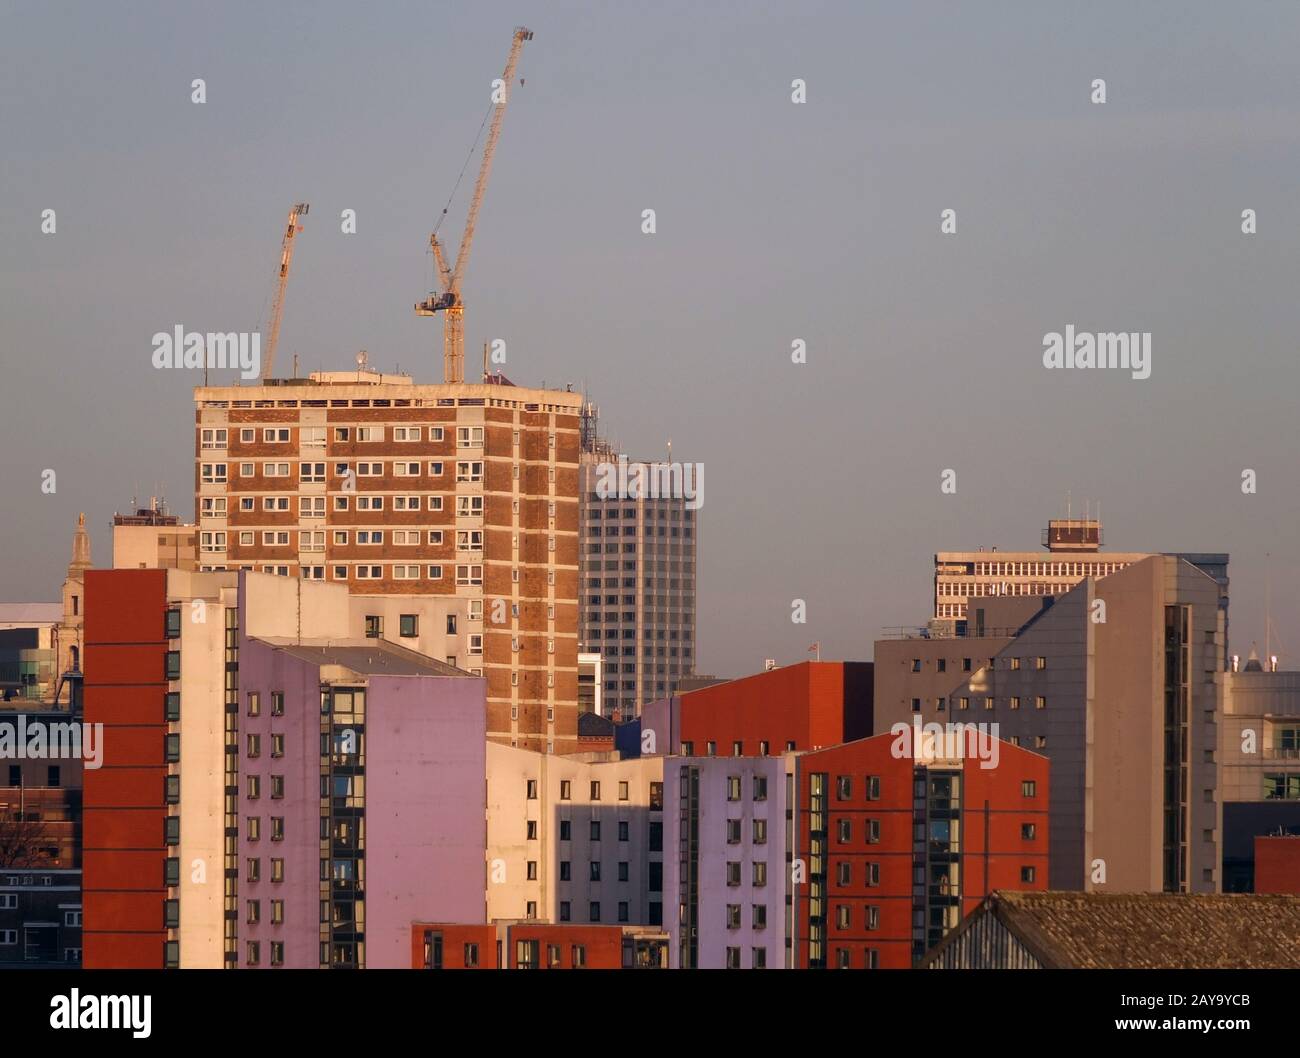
1118	682
962	579
638	573
465	493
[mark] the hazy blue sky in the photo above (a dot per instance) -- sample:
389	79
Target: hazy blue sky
775	222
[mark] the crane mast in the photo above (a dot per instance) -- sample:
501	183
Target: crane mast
277	309
449	302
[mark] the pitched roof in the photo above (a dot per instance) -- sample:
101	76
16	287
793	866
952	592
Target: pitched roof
592	726
1151	930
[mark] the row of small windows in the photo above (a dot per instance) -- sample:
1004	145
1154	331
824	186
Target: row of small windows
737	748
1012	664
308	436
962	702
667	512
624	791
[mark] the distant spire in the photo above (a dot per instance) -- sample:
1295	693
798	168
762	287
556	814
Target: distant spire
80	547
1253	663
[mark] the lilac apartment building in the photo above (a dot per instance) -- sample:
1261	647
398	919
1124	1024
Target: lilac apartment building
726	835
359	801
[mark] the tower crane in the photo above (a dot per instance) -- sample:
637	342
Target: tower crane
277	309
449	302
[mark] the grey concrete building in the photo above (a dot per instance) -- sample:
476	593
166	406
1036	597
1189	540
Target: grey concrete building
1118	683
637	574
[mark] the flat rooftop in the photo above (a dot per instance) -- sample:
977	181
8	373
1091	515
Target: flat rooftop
366	657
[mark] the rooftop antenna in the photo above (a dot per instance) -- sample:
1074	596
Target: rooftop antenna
486	373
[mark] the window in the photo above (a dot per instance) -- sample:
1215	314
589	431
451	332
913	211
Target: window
845	830
873	788
844	787
532	789
277	703
733	920
566	789
759	874
1028	831
409	625
1026	874
733	787
1040	702
1029	788
873	831
733	831
760	831
172	702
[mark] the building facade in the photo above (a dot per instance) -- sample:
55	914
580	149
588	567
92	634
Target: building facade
464	492
1118	682
638	557
575	840
1259	755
